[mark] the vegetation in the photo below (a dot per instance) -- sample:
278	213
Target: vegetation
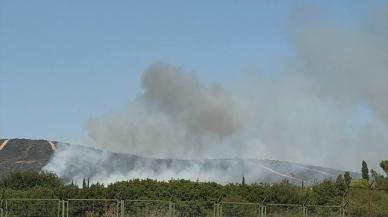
365	171
204	194
384	166
48	185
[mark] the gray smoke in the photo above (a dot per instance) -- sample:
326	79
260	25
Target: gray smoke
326	105
175	116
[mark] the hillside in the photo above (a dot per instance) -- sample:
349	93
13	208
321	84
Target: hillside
23	154
73	162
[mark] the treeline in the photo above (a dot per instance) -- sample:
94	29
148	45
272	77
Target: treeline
343	191
30	184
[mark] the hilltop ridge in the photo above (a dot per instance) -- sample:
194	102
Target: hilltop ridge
27	154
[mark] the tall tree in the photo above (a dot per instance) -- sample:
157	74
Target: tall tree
378	178
340	182
384	166
243	180
365	171
348	178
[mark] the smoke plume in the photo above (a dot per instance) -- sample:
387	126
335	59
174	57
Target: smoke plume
326	105
175	116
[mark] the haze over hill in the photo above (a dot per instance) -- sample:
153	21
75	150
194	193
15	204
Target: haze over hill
73	162
321	100
294	117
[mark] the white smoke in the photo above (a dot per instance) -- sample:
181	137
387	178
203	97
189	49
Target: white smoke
76	163
328	105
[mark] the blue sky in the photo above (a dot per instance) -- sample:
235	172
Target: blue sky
63	62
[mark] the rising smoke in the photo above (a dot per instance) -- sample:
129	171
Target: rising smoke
327	105
175	116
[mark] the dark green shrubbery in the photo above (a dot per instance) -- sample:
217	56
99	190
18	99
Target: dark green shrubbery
48	185
202	195
25	180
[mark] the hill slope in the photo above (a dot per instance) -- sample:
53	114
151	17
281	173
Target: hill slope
23	154
74	162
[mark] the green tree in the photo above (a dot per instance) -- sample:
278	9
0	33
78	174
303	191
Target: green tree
243	181
365	171
22	180
384	166
84	183
378	178
348	178
340	182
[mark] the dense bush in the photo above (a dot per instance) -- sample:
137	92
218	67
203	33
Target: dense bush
48	185
25	180
202	195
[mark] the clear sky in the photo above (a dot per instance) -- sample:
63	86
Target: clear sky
63	62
